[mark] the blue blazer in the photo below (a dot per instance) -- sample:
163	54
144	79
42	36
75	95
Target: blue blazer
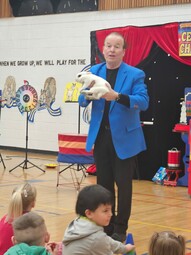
125	125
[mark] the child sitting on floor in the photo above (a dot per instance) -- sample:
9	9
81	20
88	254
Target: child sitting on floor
31	236
167	243
85	234
22	200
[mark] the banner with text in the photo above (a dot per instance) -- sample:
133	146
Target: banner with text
184	38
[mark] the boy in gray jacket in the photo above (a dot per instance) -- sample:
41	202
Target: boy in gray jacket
85	234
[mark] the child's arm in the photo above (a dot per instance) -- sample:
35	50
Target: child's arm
118	247
130	249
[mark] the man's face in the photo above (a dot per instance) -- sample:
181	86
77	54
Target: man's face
113	51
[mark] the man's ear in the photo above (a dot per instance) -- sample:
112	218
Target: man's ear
14	241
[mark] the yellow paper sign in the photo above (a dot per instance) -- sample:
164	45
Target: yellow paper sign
72	91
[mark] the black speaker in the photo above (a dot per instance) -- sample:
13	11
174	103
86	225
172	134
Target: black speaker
31	7
77	6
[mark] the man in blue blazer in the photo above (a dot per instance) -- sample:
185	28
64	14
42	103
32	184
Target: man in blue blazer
115	129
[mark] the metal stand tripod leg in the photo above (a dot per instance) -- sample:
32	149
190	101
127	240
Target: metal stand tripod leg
1	158
23	165
26	161
2	161
76	181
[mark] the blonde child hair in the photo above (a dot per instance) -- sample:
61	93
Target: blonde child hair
167	243
22	200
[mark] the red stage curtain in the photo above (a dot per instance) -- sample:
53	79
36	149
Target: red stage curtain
166	37
140	39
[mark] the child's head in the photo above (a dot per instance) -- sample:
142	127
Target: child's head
95	202
22	200
30	228
167	243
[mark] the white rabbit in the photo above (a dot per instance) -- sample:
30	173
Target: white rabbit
97	85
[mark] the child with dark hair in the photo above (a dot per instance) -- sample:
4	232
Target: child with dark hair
167	243
85	235
22	201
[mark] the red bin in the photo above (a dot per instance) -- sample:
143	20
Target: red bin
173	158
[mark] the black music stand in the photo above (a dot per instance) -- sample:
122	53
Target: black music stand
26	94
25	162
1	158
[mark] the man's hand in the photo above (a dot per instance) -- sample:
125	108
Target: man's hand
111	95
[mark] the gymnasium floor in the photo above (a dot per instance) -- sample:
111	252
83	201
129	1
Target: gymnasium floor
155	207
